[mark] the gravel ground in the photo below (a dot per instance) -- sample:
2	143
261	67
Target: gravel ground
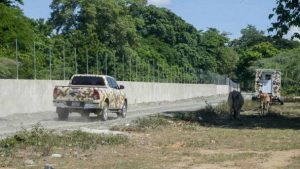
11	124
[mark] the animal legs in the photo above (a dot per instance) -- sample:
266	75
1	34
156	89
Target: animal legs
267	107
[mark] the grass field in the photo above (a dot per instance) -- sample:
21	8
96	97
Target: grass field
204	139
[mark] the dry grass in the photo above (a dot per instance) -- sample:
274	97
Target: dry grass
294	163
204	139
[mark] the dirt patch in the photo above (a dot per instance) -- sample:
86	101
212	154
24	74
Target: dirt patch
279	159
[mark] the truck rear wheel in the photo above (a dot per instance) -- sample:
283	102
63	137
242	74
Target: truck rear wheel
62	113
122	113
105	111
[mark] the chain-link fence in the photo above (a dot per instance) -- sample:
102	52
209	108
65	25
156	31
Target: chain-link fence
60	62
233	85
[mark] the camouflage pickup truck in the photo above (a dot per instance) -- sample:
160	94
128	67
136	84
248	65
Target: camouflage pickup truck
87	94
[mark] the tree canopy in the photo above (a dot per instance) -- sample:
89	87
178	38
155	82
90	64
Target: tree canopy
11	3
286	14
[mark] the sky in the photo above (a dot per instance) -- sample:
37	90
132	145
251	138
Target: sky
226	15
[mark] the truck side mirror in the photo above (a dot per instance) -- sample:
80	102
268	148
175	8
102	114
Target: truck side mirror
121	87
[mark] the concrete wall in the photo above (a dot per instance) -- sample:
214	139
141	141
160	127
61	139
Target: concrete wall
139	92
30	96
26	96
223	89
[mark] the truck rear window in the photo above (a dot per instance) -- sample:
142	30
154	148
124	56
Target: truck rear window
88	80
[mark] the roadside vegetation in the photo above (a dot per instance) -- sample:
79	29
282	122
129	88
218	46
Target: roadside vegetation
206	138
40	142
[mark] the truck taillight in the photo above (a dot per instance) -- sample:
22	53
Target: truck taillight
96	95
55	93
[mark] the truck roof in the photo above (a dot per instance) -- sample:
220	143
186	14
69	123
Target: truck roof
92	75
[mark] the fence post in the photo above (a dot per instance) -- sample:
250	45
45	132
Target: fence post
64	55
153	70
34	60
123	67
17	59
115	70
87	61
97	57
158	73
105	63
130	68
143	71
149	71
229	85
171	78
75	61
166	72
50	64
136	69
181	75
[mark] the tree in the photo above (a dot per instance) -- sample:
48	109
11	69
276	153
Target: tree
287	15
215	43
266	49
14	25
250	36
11	3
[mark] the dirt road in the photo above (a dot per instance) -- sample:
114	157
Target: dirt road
14	123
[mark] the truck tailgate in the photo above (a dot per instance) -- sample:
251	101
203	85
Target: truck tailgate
75	93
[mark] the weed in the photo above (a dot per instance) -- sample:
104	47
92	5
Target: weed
7	146
43	140
190	127
144	123
151	122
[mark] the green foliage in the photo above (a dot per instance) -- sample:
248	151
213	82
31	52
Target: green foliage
250	37
14	25
7	68
12	3
265	49
286	15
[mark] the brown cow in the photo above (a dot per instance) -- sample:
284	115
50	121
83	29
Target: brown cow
265	100
235	103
